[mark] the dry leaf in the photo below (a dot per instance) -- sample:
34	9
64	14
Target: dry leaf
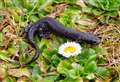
19	72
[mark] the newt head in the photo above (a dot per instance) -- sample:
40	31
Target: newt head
89	38
92	39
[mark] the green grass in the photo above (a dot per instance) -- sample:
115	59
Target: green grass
98	16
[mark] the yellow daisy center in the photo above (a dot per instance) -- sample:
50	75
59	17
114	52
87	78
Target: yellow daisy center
70	49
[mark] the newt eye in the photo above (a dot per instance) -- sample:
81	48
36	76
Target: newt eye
96	40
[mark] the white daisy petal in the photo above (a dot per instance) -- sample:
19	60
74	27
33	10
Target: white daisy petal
70	49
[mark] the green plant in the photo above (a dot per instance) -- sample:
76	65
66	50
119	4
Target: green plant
50	66
85	67
105	9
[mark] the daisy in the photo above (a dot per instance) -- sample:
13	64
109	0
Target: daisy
70	49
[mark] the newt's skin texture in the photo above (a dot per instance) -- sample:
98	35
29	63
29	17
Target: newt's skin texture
48	25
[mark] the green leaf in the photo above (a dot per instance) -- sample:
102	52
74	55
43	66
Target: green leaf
9	79
28	4
86	56
36	72
12	50
71	80
23	46
55	60
98	49
33	18
1	38
102	72
91	51
63	67
87	9
50	79
1	18
90	76
65	1
4	56
70	1
90	67
24	58
73	73
1	5
92	2
91	58
87	53
41	44
96	12
49	55
111	14
14	14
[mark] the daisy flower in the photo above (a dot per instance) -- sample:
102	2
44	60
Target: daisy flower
70	49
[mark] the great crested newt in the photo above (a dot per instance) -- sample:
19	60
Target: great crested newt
48	25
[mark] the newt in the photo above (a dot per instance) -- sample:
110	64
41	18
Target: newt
48	25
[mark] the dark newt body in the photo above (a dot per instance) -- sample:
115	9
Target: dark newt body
49	25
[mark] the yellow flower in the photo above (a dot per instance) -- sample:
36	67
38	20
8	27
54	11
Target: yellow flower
70	49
